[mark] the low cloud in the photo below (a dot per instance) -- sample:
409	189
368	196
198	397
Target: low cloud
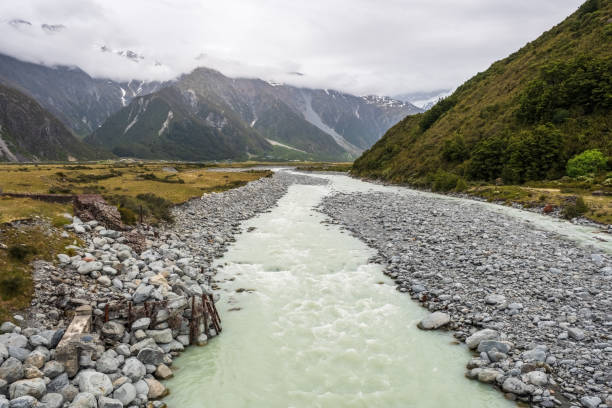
359	46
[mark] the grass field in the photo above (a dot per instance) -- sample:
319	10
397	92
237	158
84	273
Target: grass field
118	182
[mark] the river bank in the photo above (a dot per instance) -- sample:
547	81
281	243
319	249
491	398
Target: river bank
139	286
544	299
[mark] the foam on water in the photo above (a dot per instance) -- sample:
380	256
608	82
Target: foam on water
318	326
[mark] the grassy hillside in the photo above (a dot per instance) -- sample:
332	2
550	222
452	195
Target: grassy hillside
522	119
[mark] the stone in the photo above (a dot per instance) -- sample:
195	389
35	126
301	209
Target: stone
35	387
142	293
104	280
485	334
89	207
36	358
123	350
19	353
514	386
88	267
14	340
537	378
58	383
150	356
133	369
576	333
142	388
53	400
107	365
163	372
63	258
30	372
160	336
84	400
52	369
536	354
156	389
11	370
488	345
125	393
113	330
488	375
7	327
104	402
123	255
434	321
495	299
141	324
38	340
69	392
24	402
91	381
590	402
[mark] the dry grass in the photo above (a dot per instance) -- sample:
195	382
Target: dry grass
600	206
12	209
24	244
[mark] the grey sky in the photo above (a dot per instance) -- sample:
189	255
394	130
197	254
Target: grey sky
360	46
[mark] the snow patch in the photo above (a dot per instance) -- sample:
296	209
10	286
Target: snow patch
4	149
254	122
166	123
275	143
123	101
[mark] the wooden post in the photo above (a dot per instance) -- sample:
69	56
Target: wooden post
130	315
205	316
106	313
191	328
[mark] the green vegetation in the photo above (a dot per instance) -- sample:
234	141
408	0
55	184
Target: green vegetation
24	244
575	209
587	162
521	120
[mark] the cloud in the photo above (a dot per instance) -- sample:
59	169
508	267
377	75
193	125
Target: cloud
359	46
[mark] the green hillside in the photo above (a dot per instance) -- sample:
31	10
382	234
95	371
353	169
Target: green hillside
522	119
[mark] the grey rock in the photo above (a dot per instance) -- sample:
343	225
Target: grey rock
7	327
434	321
590	401
53	400
11	370
107	365
142	293
34	387
104	402
160	336
488	345
576	333
515	386
141	324
84	400
14	340
58	383
537	378
126	393
93	382
133	369
151	356
113	330
52	369
88	267
24	402
485	334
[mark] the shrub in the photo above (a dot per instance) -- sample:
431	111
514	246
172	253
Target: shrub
444	181
11	286
436	111
158	206
461	185
127	216
455	150
21	252
574	210
587	162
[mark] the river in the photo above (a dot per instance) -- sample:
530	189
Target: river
309	322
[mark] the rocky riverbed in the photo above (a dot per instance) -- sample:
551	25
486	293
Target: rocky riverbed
535	308
158	272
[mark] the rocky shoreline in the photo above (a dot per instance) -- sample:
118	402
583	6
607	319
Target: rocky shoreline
536	309
161	273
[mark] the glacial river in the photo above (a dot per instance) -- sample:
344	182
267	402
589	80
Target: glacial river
308	322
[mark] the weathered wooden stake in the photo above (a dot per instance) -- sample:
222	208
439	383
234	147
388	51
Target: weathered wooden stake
106	313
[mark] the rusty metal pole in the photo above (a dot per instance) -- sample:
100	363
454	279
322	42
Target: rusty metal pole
130	315
106	313
205	316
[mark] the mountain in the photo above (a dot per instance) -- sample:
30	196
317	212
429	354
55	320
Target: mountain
424	100
521	119
30	133
171	124
273	120
81	102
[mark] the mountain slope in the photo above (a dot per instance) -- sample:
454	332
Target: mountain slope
272	121
29	133
81	102
170	124
521	119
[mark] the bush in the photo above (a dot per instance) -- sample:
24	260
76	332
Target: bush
11	286
587	162
455	150
461	185
21	252
575	210
443	181
436	111
158	206
128	216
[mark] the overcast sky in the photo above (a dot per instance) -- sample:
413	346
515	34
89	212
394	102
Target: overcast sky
359	46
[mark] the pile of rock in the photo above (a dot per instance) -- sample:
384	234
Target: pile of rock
536	309
122	361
